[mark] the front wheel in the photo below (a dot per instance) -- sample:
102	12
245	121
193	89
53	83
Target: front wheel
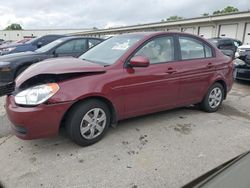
88	121
213	99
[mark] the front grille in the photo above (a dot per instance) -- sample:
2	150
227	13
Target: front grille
243	75
7	89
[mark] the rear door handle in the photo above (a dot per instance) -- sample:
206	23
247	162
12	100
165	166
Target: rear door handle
210	65
171	71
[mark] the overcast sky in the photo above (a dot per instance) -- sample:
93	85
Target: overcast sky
50	14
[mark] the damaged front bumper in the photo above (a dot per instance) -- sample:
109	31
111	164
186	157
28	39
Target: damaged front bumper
35	122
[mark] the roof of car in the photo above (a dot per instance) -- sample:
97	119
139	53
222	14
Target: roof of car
152	33
224	38
79	37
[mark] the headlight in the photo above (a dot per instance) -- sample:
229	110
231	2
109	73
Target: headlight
37	94
9	49
237	54
239	62
5	67
4	63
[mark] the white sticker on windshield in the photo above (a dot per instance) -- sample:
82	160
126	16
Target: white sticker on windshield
121	46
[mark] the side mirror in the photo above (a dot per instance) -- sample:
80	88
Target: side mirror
39	44
139	61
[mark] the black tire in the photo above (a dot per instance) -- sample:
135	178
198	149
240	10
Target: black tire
205	105
75	118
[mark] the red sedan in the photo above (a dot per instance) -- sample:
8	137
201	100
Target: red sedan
125	76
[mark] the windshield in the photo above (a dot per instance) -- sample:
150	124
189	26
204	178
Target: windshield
49	46
109	51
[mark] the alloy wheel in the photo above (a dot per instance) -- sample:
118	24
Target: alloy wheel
215	97
93	123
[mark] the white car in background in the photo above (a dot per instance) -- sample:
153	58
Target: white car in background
242	63
243	51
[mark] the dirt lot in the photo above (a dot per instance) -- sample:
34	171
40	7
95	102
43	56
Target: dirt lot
166	149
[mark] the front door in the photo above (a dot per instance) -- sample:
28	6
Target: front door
155	87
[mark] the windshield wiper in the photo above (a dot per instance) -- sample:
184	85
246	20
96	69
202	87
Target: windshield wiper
97	62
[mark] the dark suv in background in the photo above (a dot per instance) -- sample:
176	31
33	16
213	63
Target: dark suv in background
14	64
31	45
227	45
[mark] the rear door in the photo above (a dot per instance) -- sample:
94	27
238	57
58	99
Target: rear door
155	87
72	48
197	60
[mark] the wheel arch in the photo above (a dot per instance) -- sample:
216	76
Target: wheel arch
224	85
114	117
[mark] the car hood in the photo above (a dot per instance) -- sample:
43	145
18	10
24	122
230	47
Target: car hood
16	56
59	66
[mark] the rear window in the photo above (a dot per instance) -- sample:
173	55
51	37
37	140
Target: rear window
194	49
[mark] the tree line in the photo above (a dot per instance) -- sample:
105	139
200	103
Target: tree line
228	9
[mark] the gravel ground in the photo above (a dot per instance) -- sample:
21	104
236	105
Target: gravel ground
166	149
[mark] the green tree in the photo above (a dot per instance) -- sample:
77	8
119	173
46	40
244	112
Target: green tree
174	18
205	14
14	26
228	9
217	12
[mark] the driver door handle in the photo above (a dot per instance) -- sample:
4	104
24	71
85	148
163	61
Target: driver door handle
171	71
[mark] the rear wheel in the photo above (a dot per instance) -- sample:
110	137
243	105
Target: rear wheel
213	98
88	121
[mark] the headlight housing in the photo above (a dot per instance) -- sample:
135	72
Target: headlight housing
5	66
2	63
36	95
239	62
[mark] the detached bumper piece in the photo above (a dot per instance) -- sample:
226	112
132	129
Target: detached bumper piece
242	74
7	89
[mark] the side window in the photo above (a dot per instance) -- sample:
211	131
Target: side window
93	42
226	44
80	45
208	51
191	48
73	46
158	50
